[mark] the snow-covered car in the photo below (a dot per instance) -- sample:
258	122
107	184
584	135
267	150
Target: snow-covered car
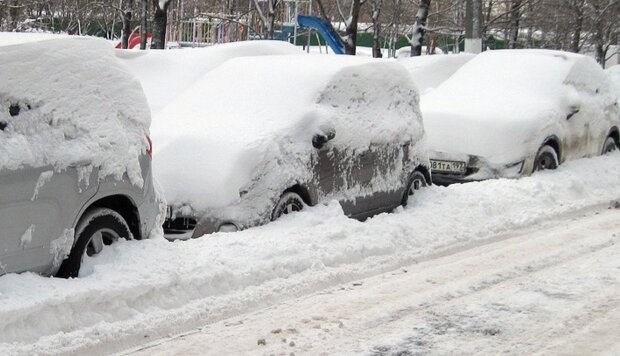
75	165
164	75
428	72
613	73
259	137
508	113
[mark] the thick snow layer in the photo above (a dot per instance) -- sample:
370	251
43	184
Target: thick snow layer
166	74
512	295
13	38
140	290
256	116
430	71
502	104
70	101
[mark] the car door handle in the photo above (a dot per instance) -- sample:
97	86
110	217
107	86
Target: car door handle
81	163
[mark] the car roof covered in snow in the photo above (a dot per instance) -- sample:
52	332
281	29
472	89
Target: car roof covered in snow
165	74
14	38
234	117
73	102
428	72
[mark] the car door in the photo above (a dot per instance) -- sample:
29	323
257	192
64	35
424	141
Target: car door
37	205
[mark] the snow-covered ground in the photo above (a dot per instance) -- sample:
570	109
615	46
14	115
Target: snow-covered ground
140	291
551	290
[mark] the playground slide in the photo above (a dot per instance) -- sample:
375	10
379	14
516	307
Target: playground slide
323	27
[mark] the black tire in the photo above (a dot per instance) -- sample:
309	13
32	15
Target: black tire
289	202
610	145
97	228
416	181
546	158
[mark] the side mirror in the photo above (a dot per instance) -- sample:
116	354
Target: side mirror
574	110
319	140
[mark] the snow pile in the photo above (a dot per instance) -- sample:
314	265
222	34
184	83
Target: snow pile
13	38
253	118
70	102
430	71
140	290
166	74
502	104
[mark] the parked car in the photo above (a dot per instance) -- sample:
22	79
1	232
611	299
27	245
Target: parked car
428	72
260	137
508	113
75	165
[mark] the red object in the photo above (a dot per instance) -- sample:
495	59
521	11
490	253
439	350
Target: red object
134	41
149	150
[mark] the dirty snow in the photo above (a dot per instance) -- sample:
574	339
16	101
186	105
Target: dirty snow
552	289
142	290
55	97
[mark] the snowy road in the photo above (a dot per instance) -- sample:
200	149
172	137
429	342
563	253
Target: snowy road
138	292
552	291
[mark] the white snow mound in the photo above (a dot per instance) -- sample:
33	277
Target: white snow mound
70	101
166	74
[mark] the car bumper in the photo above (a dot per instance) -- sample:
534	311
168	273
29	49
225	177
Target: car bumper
477	169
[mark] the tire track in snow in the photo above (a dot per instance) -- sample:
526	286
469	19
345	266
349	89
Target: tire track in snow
463	303
143	290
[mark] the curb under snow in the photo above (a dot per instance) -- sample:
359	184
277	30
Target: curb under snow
140	290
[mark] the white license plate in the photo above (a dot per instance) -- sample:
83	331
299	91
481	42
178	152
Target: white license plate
448	166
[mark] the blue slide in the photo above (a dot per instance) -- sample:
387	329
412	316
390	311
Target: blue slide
325	29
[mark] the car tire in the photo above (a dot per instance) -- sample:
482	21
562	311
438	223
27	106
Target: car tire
610	145
97	228
416	181
288	203
546	158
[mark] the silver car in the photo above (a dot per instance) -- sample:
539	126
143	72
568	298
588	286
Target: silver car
75	172
248	146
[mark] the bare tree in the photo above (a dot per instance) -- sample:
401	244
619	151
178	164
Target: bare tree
376	28
160	20
419	28
351	22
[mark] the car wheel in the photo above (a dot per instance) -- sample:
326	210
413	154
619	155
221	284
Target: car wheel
97	228
546	158
609	145
417	180
289	202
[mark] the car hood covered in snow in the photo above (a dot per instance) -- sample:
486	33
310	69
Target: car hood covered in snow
69	101
500	103
167	74
256	116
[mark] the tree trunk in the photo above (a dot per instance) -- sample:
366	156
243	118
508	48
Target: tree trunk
376	28
515	16
419	28
350	43
143	24
160	20
271	18
126	19
576	40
